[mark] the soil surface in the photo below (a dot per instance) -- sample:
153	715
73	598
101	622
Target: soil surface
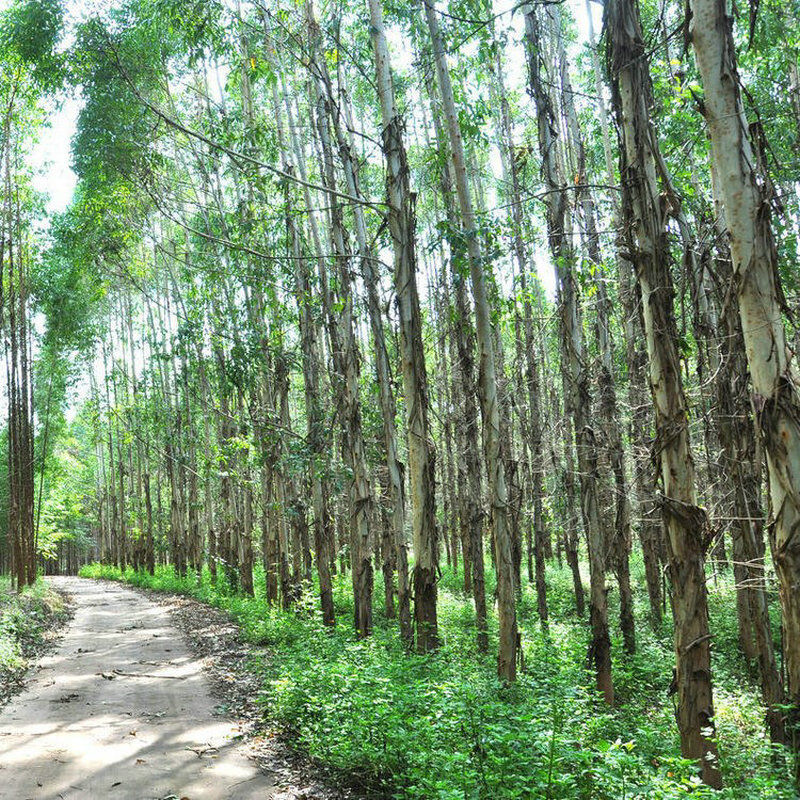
227	660
122	709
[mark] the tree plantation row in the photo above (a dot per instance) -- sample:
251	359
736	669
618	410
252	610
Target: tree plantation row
351	286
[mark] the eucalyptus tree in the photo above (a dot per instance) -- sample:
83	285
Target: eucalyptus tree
29	66
490	401
573	362
464	390
346	356
402	226
685	522
745	190
527	346
650	533
614	495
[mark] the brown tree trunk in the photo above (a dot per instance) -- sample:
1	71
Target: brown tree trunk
685	522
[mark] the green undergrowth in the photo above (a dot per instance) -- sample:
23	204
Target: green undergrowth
442	726
25	619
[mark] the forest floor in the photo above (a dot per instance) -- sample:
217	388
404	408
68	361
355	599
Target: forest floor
123	708
368	714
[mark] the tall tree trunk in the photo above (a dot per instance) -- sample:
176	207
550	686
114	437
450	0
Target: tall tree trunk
618	544
315	422
576	379
347	358
686	524
745	190
421	454
531	413
465	388
649	525
492	422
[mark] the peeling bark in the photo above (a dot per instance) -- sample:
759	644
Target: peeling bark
745	191
490	402
421	453
573	363
685	522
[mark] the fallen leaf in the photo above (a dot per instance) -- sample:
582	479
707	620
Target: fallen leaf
66	698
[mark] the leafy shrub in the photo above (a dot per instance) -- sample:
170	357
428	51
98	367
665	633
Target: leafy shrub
23	620
442	726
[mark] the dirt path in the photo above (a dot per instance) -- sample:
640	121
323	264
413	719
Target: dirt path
121	710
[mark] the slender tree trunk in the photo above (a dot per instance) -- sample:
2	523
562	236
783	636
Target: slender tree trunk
465	388
315	421
649	526
368	260
347	357
492	422
421	454
576	378
531	415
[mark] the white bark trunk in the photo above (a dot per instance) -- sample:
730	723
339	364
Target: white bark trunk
506	664
745	193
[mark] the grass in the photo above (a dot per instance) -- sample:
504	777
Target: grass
442	726
25	619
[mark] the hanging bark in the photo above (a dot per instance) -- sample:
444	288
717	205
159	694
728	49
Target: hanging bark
347	358
576	379
645	218
421	454
649	524
745	190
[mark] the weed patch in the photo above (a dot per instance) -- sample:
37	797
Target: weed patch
442	726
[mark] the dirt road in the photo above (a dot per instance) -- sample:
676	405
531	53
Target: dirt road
121	710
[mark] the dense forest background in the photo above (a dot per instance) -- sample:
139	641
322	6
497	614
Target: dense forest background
450	345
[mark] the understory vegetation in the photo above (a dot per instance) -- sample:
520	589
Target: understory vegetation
492	298
26	619
442	725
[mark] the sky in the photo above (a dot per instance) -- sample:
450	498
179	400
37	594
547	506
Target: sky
51	156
